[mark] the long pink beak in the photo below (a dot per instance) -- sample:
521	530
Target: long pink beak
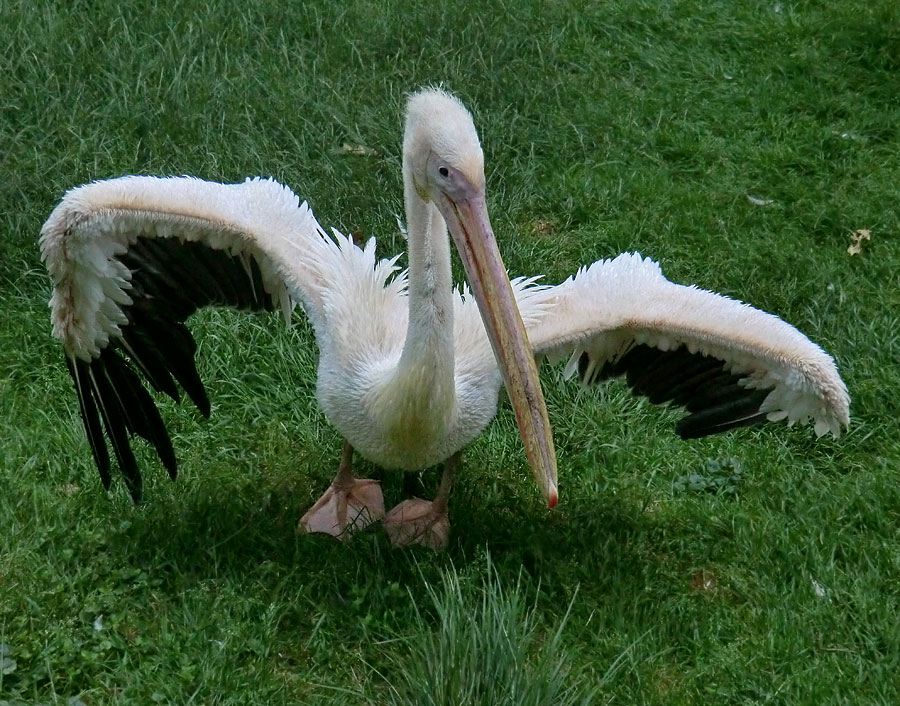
467	219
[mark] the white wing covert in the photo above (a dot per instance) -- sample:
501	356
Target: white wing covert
132	258
726	363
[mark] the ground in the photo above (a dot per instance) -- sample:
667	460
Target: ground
741	144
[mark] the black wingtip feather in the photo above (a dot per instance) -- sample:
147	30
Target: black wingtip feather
78	369
142	413
116	424
716	398
740	411
184	367
149	361
686	430
170	279
172	343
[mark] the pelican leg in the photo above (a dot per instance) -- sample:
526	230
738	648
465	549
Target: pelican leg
349	505
417	521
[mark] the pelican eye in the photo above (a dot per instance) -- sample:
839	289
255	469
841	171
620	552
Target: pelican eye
443	171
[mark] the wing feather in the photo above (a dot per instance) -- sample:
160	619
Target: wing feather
79	370
132	258
116	424
727	363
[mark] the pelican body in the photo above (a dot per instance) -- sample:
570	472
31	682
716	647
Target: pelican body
410	368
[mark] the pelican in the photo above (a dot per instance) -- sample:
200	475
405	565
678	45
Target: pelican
410	369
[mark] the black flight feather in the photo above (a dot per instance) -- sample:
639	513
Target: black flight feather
149	361
721	391
78	369
689	387
141	410
179	350
637	362
684	377
716	398
175	346
728	415
116	427
170	280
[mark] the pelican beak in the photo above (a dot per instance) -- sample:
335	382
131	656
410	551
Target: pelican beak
467	218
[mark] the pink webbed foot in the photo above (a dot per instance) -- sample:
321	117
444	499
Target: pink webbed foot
424	522
348	506
418	521
345	508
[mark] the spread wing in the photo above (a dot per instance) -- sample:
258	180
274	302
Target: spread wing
132	258
726	363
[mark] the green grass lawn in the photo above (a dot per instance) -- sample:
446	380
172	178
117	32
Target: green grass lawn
738	143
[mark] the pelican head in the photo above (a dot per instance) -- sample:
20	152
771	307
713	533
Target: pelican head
440	135
444	162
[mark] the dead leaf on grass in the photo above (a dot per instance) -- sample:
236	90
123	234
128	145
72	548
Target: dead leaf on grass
856	241
542	227
703	580
358	150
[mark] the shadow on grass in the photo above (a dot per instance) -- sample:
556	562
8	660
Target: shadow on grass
203	532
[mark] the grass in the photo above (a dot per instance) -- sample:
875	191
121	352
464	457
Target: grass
607	126
485	650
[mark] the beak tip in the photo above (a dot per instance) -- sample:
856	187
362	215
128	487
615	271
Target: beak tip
552	499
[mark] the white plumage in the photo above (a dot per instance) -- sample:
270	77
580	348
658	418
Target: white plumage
407	371
95	223
616	303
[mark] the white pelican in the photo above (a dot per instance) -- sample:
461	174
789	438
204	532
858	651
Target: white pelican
409	369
